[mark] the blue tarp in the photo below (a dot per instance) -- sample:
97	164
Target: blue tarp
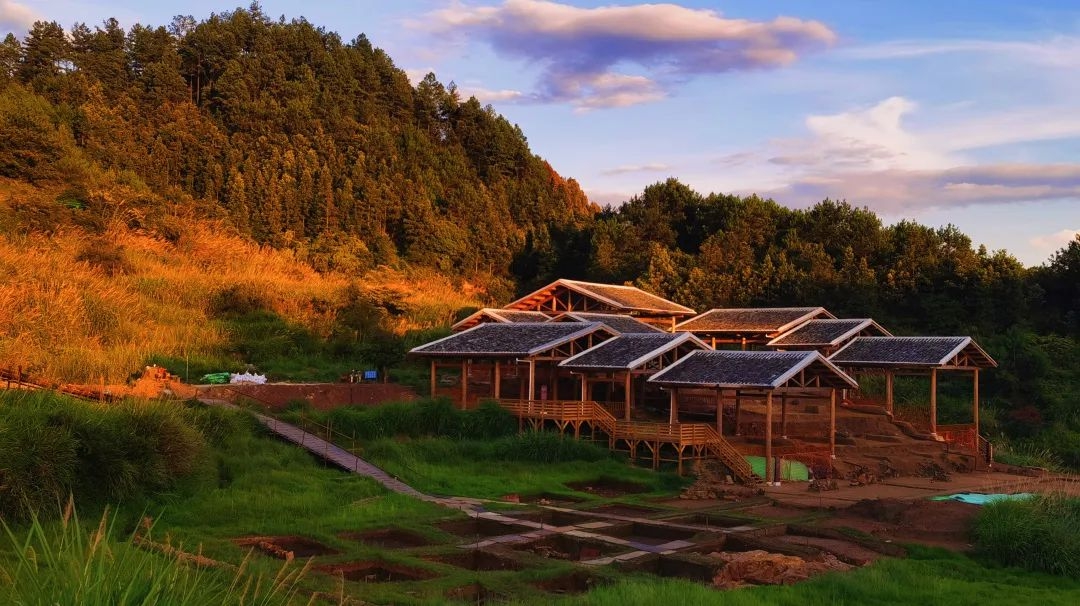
977	498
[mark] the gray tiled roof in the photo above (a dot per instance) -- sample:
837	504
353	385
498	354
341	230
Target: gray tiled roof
822	333
734	369
499	315
616	297
513	339
924	352
621	324
765	319
629	351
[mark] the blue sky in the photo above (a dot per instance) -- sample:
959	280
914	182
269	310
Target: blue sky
944	112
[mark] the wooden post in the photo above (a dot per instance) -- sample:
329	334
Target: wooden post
673	416
532	380
464	384
744	343
832	423
554	380
720	411
627	397
497	384
768	439
714	342
889	391
783	415
433	373
933	401
738	412
975	411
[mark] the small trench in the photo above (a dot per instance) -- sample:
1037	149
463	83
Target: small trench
388	538
650	534
479	527
691	567
550	498
628	511
608	488
287	547
565	547
568	584
376	572
712	520
479	560
549	517
477	594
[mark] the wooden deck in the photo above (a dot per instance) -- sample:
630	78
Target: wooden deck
667	442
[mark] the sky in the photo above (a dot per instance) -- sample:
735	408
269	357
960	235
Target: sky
946	112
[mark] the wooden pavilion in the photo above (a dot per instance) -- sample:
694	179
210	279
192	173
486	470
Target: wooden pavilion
625	362
827	335
619	323
521	357
576	296
748	326
761	374
501	316
919	356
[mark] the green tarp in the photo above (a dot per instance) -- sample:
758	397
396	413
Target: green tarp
976	498
216	378
789	470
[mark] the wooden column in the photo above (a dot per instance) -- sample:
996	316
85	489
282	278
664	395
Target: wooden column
768	439
783	415
673	416
464	383
738	412
433	372
975	410
554	381
532	380
832	423
889	391
744	343
720	411
498	381
933	401
628	396
584	388
714	342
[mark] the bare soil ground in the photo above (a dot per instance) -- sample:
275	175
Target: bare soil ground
323	396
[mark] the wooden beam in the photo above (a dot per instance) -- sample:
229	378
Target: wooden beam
553	379
720	411
783	415
768	439
464	383
673	415
433	372
584	388
933	401
738	411
627	397
532	380
498	380
975	406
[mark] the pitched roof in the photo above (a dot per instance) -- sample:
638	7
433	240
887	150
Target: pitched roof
499	315
629	351
510	339
616	297
762	369
925	352
764	320
621	324
826	332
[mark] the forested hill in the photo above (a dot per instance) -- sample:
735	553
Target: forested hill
287	130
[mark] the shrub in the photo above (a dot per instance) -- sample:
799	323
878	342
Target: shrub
1041	533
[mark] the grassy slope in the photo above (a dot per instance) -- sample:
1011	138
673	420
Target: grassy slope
149	293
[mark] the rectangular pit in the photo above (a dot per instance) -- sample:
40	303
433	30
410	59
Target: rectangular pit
608	488
479	560
550	498
388	538
712	520
287	547
692	567
480	527
376	571
649	534
568	584
625	510
549	517
573	549
477	594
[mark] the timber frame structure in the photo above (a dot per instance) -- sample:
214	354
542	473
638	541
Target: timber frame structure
748	326
576	296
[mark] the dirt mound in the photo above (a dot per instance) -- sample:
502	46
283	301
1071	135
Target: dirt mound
759	567
941	523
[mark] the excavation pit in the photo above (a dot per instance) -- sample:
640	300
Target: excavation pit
608	488
477	594
287	547
376	572
626	511
565	547
650	534
712	520
549	517
479	527
479	560
692	567
388	538
568	584
550	498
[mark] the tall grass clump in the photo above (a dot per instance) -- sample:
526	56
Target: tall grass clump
65	563
435	417
1041	533
52	446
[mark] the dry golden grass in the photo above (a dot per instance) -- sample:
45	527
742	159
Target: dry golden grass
69	320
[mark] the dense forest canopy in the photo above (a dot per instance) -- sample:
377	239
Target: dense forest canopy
303	142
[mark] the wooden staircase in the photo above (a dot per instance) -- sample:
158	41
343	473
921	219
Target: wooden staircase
688	440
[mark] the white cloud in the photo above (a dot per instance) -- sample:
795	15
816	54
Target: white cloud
1051	243
1057	51
577	48
652	167
485	95
16	18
